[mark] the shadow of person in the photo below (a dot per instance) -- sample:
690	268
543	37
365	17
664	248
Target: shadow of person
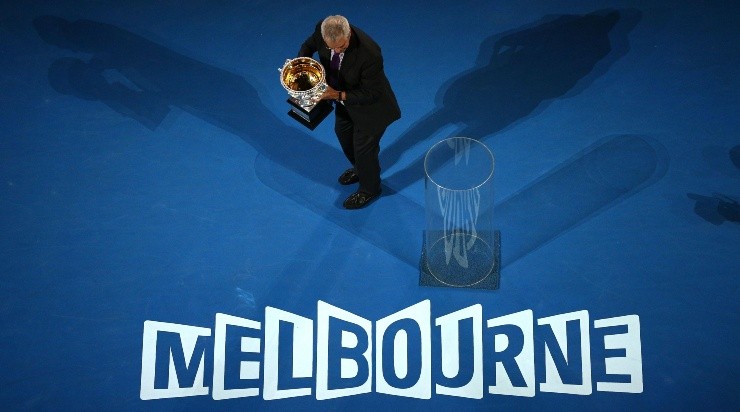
516	72
90	80
735	156
142	80
716	209
719	208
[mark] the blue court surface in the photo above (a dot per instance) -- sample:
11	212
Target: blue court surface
173	240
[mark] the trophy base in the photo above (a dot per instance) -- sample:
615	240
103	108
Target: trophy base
312	117
488	278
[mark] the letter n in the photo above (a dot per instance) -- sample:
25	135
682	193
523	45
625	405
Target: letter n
567	353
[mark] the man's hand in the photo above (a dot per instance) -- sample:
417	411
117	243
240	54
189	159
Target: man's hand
330	94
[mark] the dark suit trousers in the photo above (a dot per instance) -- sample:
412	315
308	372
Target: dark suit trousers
361	147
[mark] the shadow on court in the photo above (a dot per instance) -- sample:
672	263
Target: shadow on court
519	70
517	73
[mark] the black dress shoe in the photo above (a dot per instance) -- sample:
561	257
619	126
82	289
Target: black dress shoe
359	199
348	177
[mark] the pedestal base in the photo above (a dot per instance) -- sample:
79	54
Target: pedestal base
489	280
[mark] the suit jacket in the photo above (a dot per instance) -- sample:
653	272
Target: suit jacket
370	101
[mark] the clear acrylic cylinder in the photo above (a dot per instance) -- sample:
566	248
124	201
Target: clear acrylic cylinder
459	235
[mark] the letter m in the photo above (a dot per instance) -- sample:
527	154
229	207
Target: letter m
172	359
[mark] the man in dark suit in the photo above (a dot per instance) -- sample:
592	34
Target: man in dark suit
365	103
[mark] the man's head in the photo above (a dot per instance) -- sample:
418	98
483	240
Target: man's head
335	31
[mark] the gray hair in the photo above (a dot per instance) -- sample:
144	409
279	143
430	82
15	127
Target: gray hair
334	28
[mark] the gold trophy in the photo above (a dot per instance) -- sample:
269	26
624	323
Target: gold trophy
305	80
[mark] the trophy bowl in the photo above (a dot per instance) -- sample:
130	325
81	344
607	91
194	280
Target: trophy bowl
305	80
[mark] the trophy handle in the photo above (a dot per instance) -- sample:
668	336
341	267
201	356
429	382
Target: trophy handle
287	61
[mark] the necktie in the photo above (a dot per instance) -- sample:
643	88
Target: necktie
334	72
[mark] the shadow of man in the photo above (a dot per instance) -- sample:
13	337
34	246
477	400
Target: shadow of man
719	208
142	80
716	209
516	72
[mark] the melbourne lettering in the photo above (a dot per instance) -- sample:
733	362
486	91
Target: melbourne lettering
407	354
